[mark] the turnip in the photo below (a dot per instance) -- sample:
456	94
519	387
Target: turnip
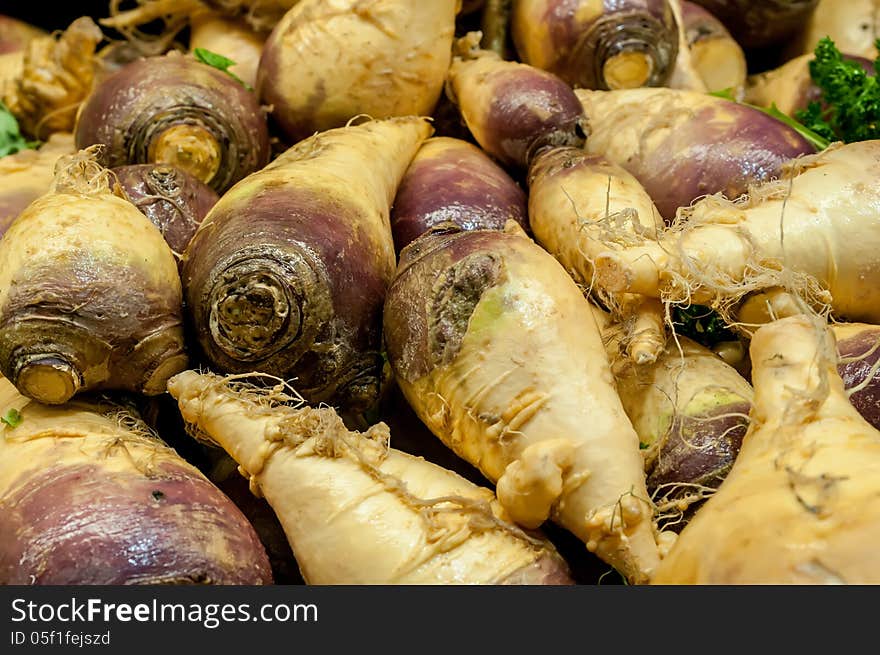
498	352
715	54
287	273
816	231
512	109
90	496
858	345
853	25
761	23
15	34
174	201
682	145
54	77
450	180
90	296
28	174
598	45
174	110
355	510
801	503
389	58
230	38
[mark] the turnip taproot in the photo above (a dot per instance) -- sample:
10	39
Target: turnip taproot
355	510
91	496
598	45
683	145
454	180
801	504
817	228
288	272
28	174
175	201
390	58
576	199
175	110
512	109
498	352
90	296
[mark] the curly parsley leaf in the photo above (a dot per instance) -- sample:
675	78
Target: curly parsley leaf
12	418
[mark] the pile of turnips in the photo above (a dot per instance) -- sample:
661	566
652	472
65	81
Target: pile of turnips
519	292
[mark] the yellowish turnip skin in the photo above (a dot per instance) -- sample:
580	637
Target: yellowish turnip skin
389	58
783	86
715	56
353	509
59	262
574	200
853	25
801	504
831	227
231	38
529	399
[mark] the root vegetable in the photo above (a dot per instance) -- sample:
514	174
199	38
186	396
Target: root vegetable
28	174
90	296
175	110
15	34
55	76
174	201
495	26
813	231
91	497
853	25
682	145
858	345
801	503
574	199
231	38
512	109
356	511
498	352
390	58
598	45
715	54
288	272
451	180
761	23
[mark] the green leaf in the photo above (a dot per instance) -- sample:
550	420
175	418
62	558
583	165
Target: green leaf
11	140
220	63
12	418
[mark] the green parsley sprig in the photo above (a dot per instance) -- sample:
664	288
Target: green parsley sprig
11	140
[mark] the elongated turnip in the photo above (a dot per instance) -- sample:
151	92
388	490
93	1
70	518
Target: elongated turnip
498	352
288	272
356	511
90	297
512	109
816	229
453	180
28	174
683	145
576	198
801	504
175	110
598	45
174	201
389	58
91	496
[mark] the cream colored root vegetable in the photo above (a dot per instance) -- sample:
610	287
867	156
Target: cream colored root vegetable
577	199
231	38
801	504
355	510
821	223
498	352
330	60
853	25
